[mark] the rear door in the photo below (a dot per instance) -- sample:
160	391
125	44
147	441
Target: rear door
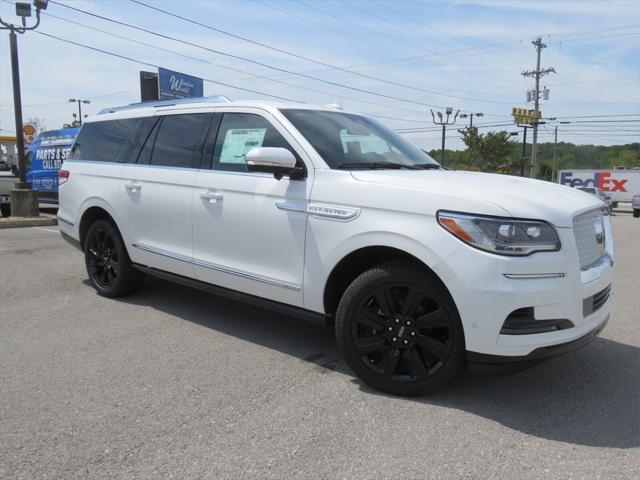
157	191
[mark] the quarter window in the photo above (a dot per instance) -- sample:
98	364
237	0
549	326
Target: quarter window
104	141
180	140
239	133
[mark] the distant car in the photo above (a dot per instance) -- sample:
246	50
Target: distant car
4	167
601	195
635	204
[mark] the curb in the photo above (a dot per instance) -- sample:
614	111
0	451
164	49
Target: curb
17	222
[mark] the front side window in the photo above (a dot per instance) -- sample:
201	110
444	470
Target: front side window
345	140
103	141
239	133
179	140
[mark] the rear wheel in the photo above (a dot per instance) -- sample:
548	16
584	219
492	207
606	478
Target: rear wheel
399	330
108	264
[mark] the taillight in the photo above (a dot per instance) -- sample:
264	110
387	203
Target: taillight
63	176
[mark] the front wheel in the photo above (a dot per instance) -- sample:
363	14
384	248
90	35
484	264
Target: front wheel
108	264
399	330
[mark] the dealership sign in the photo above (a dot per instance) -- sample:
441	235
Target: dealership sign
173	85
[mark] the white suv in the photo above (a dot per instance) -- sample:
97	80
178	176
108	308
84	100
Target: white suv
332	216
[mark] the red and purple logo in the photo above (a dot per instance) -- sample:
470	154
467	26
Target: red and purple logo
600	180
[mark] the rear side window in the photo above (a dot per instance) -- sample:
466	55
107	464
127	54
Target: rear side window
180	140
104	141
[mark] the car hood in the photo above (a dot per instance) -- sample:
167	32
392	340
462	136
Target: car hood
519	197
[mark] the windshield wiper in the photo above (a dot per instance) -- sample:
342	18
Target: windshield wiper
428	166
376	165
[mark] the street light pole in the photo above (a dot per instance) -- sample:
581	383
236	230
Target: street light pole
524	149
470	115
17	109
444	122
80	102
24	201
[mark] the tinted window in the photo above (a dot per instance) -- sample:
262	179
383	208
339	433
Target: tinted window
103	141
180	140
239	133
353	141
134	143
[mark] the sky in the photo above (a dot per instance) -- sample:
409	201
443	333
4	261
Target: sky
394	59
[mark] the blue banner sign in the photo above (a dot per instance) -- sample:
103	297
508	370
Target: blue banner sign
178	85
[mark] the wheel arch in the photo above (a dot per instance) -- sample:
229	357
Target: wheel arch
359	260
90	214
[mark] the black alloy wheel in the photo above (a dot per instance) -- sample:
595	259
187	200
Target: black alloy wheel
108	264
103	264
400	331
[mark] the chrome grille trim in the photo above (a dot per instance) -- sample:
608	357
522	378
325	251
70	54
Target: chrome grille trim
584	232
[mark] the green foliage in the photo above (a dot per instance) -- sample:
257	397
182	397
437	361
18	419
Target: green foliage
497	152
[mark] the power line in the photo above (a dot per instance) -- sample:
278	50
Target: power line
262	77
318	62
601	116
124	57
238	57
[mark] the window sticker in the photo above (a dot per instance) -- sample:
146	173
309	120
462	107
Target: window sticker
238	141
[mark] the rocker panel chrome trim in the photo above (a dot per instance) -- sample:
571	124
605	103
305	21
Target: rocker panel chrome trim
219	268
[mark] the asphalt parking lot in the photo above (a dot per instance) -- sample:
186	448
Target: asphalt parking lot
175	383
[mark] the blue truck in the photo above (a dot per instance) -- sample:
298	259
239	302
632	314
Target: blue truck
44	159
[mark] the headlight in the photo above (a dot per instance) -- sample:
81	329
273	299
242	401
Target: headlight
504	236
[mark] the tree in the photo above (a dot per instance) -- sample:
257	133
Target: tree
473	141
488	152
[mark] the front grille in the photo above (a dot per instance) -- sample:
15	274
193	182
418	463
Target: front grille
584	231
595	302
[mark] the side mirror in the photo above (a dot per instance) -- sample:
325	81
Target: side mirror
278	161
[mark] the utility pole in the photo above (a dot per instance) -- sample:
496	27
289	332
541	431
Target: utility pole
24	200
444	123
537	74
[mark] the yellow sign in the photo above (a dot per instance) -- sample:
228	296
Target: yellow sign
29	129
524	116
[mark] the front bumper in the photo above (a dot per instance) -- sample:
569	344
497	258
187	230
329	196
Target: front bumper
539	354
487	288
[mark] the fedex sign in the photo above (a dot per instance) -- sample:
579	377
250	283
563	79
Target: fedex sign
600	180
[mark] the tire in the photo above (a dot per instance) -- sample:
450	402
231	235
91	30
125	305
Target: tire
636	213
402	351
5	210
108	264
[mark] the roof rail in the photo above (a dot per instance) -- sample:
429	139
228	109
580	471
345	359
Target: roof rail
167	103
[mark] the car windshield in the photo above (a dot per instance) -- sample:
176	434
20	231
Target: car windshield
588	190
350	141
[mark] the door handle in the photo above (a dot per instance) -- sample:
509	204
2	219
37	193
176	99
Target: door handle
133	187
213	197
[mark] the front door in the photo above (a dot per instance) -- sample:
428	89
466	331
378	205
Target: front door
249	228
